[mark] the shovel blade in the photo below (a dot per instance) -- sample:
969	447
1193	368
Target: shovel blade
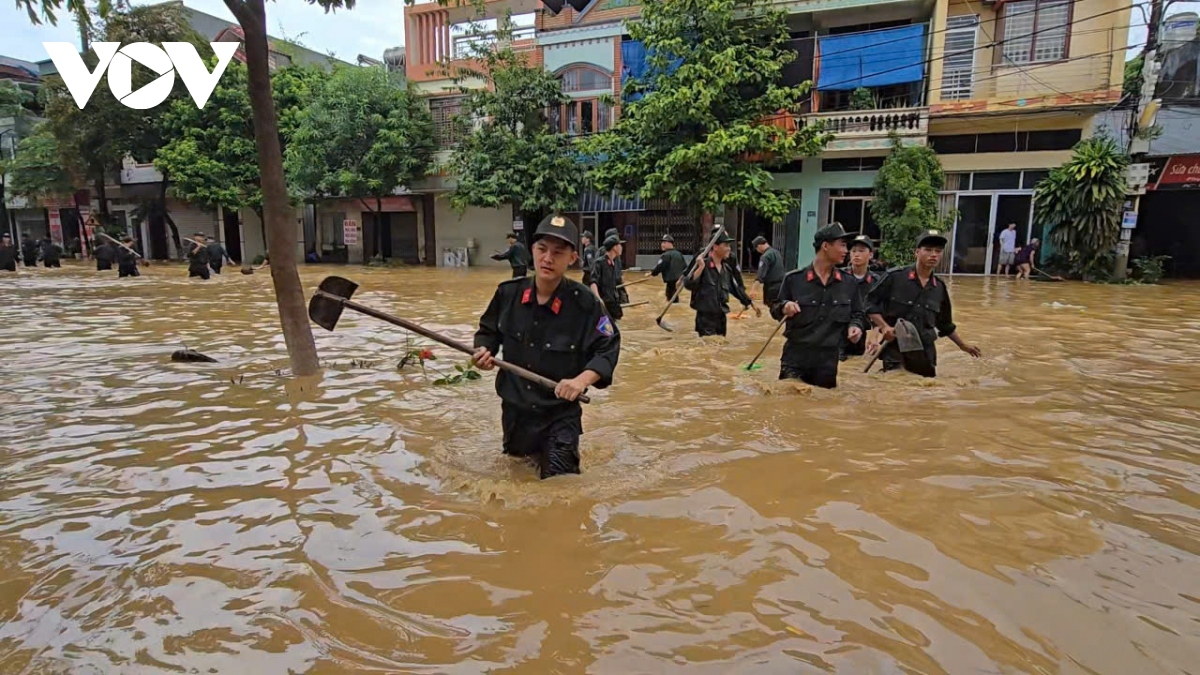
907	337
325	307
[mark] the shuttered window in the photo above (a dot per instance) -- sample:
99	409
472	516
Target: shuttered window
958	67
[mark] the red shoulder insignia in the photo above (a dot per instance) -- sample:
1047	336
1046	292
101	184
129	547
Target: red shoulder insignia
527	296
556	305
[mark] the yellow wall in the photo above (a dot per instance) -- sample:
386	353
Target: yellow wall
1090	74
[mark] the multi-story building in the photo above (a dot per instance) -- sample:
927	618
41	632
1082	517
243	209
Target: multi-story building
1001	89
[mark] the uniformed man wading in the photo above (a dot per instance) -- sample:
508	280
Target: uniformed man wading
217	256
916	294
823	308
29	250
711	284
770	270
588	259
606	276
516	255
51	253
105	253
126	260
8	254
198	257
670	265
555	327
862	250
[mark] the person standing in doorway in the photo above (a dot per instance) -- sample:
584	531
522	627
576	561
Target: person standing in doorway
1008	249
823	310
711	284
29	250
126	260
915	293
670	265
516	255
770	270
557	328
198	257
51	253
216	256
8	254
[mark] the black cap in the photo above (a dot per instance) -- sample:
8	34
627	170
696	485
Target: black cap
668	238
864	240
724	238
759	240
585	233
511	235
933	237
831	232
558	226
611	242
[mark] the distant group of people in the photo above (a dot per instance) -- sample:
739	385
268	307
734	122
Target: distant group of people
30	251
205	255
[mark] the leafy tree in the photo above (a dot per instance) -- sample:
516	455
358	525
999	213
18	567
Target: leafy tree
36	171
1079	205
513	155
906	199
363	134
211	155
699	136
14	103
1132	83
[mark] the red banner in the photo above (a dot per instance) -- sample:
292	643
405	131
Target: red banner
1180	171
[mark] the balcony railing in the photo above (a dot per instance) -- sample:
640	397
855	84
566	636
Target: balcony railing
871	123
1070	79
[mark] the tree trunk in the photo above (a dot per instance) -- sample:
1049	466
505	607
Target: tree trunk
379	227
289	293
166	214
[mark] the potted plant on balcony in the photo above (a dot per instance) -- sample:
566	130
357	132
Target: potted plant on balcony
862	99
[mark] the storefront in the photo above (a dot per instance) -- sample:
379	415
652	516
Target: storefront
987	202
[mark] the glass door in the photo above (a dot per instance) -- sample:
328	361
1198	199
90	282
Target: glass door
1011	209
972	234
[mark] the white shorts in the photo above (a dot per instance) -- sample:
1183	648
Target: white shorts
1007	258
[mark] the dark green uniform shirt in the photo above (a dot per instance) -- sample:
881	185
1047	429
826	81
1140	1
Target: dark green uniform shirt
899	295
559	340
711	291
770	267
516	255
670	265
827	310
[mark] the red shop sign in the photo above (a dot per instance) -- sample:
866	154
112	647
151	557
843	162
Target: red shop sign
1180	171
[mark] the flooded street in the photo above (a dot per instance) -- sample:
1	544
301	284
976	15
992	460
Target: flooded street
1036	511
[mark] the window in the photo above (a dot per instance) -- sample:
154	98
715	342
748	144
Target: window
581	116
582	78
445	110
958	66
1035	31
1021	141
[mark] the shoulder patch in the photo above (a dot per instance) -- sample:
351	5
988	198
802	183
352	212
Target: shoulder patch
605	327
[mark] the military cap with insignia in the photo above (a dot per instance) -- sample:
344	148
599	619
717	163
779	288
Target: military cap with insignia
612	242
558	226
668	238
831	232
864	240
759	240
931	238
724	238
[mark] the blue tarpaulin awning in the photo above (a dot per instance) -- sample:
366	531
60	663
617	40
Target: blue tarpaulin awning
635	63
871	59
590	200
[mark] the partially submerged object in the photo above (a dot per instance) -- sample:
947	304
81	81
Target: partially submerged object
190	356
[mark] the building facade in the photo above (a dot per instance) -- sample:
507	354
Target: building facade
1002	90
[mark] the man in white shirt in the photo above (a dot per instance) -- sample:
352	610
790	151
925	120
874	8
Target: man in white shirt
1008	249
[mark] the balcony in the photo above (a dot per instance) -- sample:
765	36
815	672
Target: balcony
134	174
855	130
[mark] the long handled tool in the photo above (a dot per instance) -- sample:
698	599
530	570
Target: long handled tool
697	260
635	282
909	341
334	293
635	304
750	366
122	245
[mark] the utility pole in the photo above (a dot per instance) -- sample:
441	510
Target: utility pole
1144	115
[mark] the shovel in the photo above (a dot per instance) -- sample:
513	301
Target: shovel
122	245
909	341
754	365
333	295
634	283
697	260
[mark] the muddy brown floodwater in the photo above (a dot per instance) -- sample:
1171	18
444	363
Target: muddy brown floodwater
1032	512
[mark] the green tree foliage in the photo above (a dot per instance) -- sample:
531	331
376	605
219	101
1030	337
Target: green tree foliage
1079	205
698	136
14	102
1132	85
513	155
36	171
363	134
211	156
906	199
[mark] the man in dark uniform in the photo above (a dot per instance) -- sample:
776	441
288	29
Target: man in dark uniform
105	254
862	250
198	258
8	254
29	250
556	327
216	256
823	308
51	253
516	255
126	260
606	276
609	234
711	283
770	270
590	252
916	294
670	265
